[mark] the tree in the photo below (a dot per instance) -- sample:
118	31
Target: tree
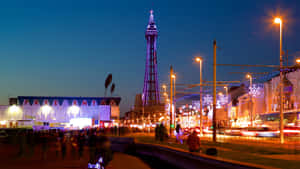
112	88
107	82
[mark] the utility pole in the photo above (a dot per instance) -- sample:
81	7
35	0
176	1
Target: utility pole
281	88
215	91
200	102
171	99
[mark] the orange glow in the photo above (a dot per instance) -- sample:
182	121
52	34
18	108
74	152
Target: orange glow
164	86
298	61
248	76
198	59
173	76
220	93
277	20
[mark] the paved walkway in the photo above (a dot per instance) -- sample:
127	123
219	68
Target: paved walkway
9	160
123	161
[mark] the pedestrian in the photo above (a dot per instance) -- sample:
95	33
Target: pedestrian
63	147
22	141
179	134
105	150
44	141
73	145
92	146
30	143
80	143
58	146
193	142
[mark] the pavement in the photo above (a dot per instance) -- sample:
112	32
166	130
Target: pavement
10	160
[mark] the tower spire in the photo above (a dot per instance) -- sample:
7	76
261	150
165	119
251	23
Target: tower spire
151	17
151	88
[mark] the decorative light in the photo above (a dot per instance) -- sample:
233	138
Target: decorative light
46	110
74	110
13	109
222	99
207	99
81	122
255	90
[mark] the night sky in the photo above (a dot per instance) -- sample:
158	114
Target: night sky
67	47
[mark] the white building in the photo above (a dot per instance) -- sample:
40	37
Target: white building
60	112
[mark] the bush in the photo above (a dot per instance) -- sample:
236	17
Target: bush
212	152
160	132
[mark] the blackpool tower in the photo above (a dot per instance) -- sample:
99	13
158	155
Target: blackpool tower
151	90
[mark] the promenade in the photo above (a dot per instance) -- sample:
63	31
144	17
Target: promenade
10	160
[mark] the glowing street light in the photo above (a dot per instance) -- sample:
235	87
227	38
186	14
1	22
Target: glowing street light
250	97
226	90
298	60
250	78
279	21
199	59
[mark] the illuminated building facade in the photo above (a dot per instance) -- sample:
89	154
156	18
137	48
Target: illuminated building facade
60	112
261	101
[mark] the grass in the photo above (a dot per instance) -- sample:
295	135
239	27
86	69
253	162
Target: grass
239	152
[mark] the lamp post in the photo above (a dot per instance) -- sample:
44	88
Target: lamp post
226	91
174	99
199	59
171	99
250	98
215	92
298	61
279	21
166	102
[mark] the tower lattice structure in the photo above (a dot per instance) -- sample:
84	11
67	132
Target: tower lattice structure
151	95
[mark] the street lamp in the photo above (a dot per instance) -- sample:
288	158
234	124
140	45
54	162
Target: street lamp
226	90
249	76
174	98
166	102
199	59
298	60
279	21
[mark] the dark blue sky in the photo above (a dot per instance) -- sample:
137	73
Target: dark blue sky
66	48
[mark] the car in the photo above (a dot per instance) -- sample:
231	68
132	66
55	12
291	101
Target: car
259	132
291	131
235	131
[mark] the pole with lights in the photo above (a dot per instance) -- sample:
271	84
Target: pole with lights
279	21
215	91
249	76
199	59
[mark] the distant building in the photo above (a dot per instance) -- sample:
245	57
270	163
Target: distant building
41	112
262	101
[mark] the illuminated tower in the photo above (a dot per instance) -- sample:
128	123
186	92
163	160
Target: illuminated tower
151	89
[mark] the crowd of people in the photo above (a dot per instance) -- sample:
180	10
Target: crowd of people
193	140
73	141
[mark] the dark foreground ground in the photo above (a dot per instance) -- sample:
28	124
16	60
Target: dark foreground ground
9	159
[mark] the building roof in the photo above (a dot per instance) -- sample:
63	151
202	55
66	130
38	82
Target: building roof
60	99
